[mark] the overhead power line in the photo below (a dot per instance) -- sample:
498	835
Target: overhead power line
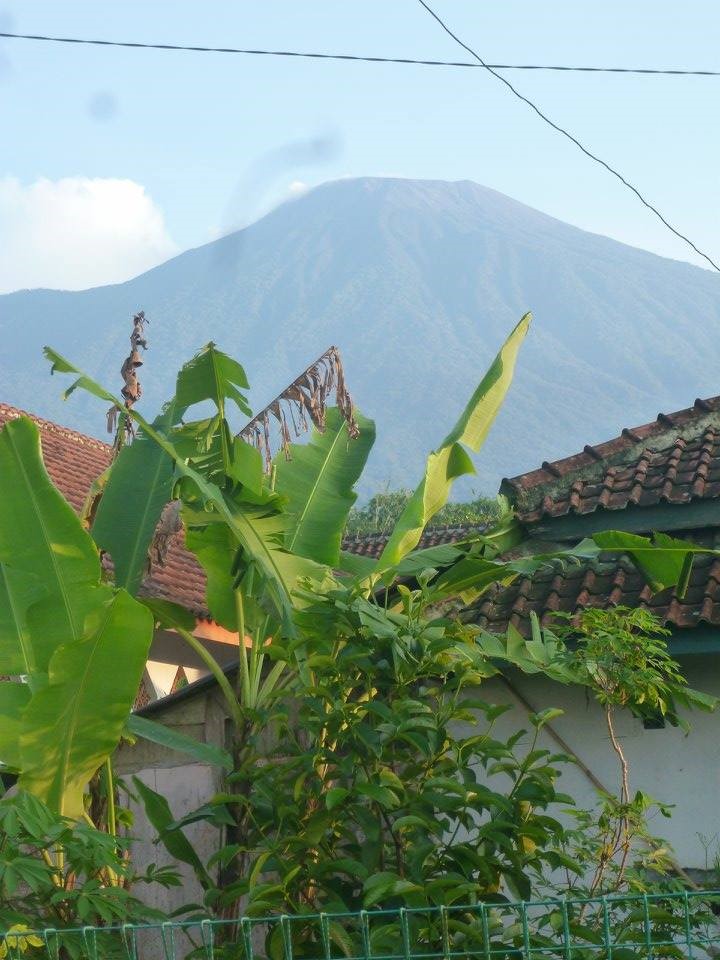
362	59
569	136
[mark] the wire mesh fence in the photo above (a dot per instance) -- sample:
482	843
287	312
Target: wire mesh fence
642	927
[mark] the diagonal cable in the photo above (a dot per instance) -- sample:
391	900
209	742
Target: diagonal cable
570	137
560	68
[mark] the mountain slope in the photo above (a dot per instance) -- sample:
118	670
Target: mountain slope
417	282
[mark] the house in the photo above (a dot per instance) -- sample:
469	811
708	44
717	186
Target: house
662	476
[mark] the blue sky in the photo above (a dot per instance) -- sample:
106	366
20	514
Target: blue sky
211	141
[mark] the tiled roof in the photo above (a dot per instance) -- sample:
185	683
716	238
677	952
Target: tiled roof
180	579
73	462
616	583
72	459
372	544
673	459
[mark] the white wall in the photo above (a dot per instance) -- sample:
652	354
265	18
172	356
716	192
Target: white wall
669	765
186	785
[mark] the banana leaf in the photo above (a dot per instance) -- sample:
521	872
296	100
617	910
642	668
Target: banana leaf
216	550
318	482
665	561
211	375
451	459
175	740
256	534
138	487
50	563
18	590
72	726
14	698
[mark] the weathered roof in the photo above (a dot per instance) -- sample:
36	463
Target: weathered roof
74	461
617	582
674	459
372	544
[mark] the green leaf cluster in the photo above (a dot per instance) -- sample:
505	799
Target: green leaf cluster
61	628
385	783
90	887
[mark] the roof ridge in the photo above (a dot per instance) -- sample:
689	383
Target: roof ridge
628	438
13	413
374	535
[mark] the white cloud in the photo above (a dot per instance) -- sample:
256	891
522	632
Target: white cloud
78	232
297	187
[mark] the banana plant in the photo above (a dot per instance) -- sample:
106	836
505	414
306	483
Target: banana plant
61	631
216	478
262	541
270	544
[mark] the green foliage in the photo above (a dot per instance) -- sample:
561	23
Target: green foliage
60	630
665	561
51	566
138	486
382	511
216	480
378	780
71	726
451	459
366	771
173	739
318	481
384	783
620	656
91	885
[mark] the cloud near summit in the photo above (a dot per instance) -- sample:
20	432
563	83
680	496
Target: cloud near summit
78	232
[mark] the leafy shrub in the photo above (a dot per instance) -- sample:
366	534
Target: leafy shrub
59	873
382	511
387	785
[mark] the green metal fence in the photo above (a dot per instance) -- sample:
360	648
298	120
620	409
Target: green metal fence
643	927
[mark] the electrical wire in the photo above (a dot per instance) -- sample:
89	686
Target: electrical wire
362	59
569	136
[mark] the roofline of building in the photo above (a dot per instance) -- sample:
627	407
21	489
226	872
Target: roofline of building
610	450
85	439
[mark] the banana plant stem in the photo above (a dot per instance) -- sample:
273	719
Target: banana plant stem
110	788
217	671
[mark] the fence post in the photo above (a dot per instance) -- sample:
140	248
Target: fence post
208	938
365	933
325	934
606	928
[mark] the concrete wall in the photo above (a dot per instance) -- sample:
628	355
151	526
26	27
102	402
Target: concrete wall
185	785
667	764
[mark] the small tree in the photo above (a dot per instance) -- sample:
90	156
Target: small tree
620	656
385	783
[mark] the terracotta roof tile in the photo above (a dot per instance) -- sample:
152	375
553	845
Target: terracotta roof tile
609	583
372	544
674	459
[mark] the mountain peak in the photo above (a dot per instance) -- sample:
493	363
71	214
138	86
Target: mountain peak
418	282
